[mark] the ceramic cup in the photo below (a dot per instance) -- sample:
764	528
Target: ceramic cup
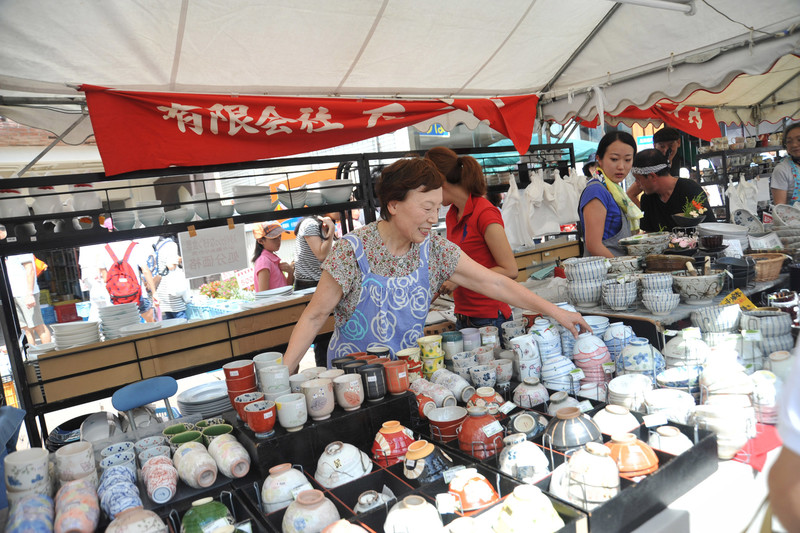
212	432
75	460
231	458
292	411
261	417
379	350
273	378
349	391
332	373
243	399
471	338
339	362
26	469
319	398
197	469
161	482
239	369
296	380
374	382
353	366
396	377
150	442
154	451
266	359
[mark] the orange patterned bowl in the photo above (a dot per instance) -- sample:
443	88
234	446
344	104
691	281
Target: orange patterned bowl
634	457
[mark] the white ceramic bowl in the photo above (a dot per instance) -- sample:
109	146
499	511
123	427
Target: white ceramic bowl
663	305
336	191
698	290
294	198
586	268
657	281
182	214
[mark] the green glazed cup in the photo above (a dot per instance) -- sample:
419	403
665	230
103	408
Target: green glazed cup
171	431
184	437
208	422
212	432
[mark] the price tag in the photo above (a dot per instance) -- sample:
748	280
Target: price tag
233	372
300	488
450	473
692	333
33	238
490	430
401	375
751	335
670	332
656	419
577	373
446	503
507	407
11	239
585	406
372	379
268	414
609	368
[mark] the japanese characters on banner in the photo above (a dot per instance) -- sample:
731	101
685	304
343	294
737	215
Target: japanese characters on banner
696	121
175	129
213	250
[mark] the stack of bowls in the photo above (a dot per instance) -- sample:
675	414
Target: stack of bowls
657	295
555	373
686	349
646	244
179	215
336	191
207	204
775	328
629	391
432	354
567	339
585	276
640	357
240	378
717	318
252	199
599	324
589	354
294	198
619	294
115	317
676	405
734	347
617	337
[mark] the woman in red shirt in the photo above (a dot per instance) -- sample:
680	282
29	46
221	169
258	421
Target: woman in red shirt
476	226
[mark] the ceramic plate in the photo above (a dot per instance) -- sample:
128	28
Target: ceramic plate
745	218
790	216
280	291
138	328
204	393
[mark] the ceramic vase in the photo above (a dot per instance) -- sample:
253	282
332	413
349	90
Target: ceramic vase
391	443
476	441
311	512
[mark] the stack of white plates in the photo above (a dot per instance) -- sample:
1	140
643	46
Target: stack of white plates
72	334
35	351
272	293
115	317
729	232
133	329
208	399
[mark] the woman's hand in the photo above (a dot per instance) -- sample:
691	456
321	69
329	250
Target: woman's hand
286	268
447	288
328	227
571	320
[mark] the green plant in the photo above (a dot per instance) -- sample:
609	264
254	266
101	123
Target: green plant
694	207
226	290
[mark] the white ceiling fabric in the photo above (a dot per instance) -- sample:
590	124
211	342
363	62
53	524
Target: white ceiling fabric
393	48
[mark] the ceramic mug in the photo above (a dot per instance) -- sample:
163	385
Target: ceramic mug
374	382
74	460
292	411
319	398
261	417
431	346
349	391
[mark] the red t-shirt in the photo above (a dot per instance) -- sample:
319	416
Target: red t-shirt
468	234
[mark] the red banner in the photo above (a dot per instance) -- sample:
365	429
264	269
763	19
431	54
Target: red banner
696	121
139	130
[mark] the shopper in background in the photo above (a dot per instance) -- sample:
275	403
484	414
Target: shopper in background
476	226
378	280
270	271
138	263
315	237
784	475
664	194
22	279
668	142
590	167
606	213
785	180
172	288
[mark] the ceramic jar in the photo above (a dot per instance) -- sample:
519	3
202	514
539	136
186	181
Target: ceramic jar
476	441
593	476
137	520
488	398
231	457
282	483
530	393
425	462
459	386
570	430
617	337
204	513
310	512
391	443
77	507
527	510
341	463
522	459
349	391
412	513
319	398
472	490
560	399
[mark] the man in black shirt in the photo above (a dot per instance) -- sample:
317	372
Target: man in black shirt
664	195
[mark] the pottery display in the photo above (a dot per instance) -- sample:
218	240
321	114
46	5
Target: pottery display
488	398
341	463
137	520
528	510
445	422
522	459
633	457
592	476
117	491
425	462
309	513
570	430
391	443
412	513
669	439
530	393
459	386
476	438
472	490
613	419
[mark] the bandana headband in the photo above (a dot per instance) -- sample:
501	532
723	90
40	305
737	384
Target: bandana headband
644	171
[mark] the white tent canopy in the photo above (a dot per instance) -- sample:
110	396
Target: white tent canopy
581	56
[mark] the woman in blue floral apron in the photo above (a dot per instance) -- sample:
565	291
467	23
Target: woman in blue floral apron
378	280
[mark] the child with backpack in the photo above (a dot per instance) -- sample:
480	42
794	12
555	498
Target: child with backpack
125	261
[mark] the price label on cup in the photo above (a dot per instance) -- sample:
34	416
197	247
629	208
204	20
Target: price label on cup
490	430
577	373
585	406
654	420
507	407
401	375
299	489
450	473
609	368
751	335
372	379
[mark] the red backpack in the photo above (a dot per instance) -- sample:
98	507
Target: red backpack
122	283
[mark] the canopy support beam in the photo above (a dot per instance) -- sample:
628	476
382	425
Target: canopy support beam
781	86
52	144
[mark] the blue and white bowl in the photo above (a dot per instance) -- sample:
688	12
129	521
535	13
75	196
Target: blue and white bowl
585	293
662	306
599	324
586	268
681	377
119	447
717	318
655	294
657	281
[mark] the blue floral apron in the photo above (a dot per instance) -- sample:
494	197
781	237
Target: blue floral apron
391	310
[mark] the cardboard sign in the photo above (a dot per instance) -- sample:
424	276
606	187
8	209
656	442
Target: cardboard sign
245	278
213	250
738	297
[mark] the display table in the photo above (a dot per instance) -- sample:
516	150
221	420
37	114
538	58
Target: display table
529	257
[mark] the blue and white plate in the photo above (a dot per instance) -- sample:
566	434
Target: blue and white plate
743	217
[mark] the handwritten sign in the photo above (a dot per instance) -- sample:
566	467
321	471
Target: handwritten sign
213	250
738	297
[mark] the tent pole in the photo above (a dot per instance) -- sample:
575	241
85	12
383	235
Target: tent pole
781	86
52	144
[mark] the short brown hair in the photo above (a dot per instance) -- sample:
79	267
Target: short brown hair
464	170
405	175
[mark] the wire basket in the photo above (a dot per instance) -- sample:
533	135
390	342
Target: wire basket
768	266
